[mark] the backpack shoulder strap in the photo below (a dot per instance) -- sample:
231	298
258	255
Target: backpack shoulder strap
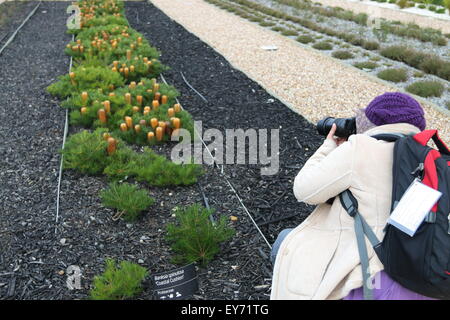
389	137
362	230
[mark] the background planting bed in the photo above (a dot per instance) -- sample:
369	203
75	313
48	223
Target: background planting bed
333	31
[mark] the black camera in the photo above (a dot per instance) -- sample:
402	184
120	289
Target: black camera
345	127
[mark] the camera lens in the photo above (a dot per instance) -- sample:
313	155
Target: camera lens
324	125
345	127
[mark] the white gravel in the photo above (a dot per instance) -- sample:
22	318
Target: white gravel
309	82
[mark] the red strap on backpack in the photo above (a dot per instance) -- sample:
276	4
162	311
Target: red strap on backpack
425	136
430	175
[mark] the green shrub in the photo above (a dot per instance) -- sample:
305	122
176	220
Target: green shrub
396	52
108	54
323	45
289	33
428	63
278	29
119	107
154	169
446	4
426	88
370	45
342	54
127	198
86	78
366	65
402	4
266	24
444	71
431	64
86	152
447	104
394	75
195	237
118	282
305	39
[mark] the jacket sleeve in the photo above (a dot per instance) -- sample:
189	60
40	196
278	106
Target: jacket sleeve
327	173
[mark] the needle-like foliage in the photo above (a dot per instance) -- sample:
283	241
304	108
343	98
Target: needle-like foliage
118	282
127	198
195	237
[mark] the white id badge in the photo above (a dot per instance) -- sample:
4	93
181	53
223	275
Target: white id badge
413	207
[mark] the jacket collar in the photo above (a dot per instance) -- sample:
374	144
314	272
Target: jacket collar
403	128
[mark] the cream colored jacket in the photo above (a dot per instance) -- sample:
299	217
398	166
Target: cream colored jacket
319	259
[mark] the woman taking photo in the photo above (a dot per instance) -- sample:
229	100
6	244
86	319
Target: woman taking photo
319	258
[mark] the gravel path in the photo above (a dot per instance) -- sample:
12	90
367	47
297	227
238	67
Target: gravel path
311	83
392	12
31	136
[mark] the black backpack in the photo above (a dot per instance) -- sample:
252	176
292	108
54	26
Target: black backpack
420	263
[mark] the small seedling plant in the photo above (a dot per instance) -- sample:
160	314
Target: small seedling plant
118	281
127	198
194	238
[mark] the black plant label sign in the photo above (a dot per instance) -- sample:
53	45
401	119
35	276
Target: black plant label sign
175	284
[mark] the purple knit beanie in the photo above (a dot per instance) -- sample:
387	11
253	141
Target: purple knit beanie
395	107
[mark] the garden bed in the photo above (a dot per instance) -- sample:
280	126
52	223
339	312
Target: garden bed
38	251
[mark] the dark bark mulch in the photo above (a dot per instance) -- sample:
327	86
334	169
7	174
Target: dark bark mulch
12	13
31	136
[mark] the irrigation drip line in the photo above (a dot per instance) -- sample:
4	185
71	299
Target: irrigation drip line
206	202
20	27
226	179
66	130
193	89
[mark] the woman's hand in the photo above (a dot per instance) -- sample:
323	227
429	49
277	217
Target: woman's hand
331	136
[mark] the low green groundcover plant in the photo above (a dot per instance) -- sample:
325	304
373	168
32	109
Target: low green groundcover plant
127	198
426	88
370	45
305	39
323	45
342	54
366	65
394	75
428	63
86	78
195	237
118	282
87	153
